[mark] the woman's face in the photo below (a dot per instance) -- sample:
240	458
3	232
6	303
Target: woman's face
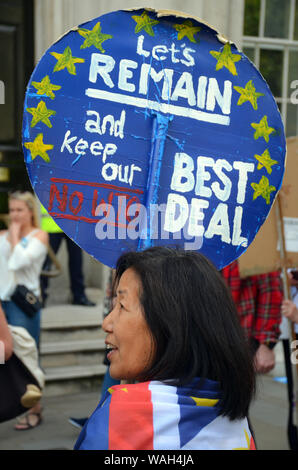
128	336
19	212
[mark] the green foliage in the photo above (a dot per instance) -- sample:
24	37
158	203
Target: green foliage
271	63
252	17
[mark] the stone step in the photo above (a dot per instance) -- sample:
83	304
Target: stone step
72	359
72	346
74	372
72	353
74	379
61	317
65	336
60	295
71	323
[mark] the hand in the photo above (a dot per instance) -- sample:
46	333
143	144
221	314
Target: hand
14	232
264	359
289	310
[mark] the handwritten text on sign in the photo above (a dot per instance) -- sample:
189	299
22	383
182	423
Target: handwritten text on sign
134	121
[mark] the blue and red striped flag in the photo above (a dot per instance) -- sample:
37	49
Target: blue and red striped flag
158	416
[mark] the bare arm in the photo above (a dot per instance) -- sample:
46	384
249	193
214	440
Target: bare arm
43	237
5	336
289	310
264	359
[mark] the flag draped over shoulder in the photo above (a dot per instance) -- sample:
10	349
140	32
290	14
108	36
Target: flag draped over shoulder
155	415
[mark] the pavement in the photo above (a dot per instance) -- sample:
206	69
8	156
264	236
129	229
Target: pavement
268	414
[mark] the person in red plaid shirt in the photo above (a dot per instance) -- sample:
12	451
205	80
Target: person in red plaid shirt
258	299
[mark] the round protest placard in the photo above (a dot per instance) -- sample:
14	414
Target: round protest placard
144	128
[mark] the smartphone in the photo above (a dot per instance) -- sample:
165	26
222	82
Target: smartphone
295	275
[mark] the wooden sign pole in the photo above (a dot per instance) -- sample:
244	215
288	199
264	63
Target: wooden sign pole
287	296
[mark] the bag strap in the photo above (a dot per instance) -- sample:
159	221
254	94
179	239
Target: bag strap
53	258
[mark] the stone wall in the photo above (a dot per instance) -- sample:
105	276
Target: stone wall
55	17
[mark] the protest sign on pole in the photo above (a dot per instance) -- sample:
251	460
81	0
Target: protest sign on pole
145	128
264	254
276	248
293	375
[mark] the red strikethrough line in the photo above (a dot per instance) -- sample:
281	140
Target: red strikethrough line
97	185
85	219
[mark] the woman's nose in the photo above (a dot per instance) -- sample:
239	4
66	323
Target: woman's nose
107	324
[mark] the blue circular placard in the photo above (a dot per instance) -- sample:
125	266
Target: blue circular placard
142	130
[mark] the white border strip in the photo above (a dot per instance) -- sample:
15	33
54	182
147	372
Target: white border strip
166	416
161	107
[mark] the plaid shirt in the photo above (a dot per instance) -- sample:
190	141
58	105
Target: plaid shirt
258	299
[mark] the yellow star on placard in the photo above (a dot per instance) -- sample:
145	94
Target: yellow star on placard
262	129
38	148
187	29
265	161
144	22
41	113
248	94
94	37
66	60
262	189
226	58
45	87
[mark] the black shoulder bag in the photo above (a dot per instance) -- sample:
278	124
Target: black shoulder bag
26	300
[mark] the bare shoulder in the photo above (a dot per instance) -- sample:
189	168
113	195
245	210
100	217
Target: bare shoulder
42	236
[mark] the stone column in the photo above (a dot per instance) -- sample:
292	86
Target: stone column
226	16
53	18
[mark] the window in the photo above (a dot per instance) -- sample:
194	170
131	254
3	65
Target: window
16	59
271	41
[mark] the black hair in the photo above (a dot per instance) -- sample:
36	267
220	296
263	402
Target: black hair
194	324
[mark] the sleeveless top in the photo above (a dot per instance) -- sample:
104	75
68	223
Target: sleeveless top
21	265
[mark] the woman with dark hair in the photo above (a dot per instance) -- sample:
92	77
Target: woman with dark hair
174	335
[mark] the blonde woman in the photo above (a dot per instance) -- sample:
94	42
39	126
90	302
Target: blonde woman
23	249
